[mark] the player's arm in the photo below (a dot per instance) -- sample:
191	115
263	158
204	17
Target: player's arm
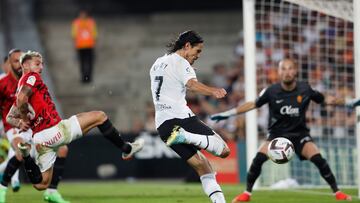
332	100
349	102
22	100
200	88
263	98
18	114
247	106
14	119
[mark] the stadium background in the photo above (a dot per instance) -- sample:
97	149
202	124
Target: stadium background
131	35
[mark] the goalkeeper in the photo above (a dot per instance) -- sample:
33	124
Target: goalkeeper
288	102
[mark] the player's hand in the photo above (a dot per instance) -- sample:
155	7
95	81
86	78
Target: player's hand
352	103
23	125
219	93
31	114
223	115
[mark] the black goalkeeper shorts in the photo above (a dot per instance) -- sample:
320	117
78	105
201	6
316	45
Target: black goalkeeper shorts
191	124
298	140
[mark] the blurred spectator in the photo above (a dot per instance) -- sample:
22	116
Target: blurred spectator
137	126
5	66
84	34
219	75
239	48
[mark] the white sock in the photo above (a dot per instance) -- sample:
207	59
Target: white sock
15	177
212	188
51	190
211	143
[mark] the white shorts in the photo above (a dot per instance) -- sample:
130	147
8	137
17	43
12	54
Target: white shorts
26	137
14	132
49	140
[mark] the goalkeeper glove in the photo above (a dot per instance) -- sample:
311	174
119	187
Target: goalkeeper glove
352	103
223	115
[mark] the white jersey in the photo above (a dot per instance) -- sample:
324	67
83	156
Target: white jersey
169	75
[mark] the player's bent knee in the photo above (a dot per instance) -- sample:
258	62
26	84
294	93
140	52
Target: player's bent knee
101	116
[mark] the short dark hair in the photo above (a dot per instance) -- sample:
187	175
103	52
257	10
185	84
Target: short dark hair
188	36
5	59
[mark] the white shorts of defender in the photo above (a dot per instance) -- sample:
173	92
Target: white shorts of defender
49	140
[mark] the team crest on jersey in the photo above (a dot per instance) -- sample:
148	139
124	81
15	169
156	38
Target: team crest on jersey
299	99
31	80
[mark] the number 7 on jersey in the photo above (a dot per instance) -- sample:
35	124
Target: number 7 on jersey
159	80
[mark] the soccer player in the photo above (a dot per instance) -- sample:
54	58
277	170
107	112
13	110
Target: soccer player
35	109
8	86
288	102
171	75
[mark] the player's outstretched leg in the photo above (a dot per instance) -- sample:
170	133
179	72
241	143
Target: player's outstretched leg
212	143
327	174
99	119
253	174
52	194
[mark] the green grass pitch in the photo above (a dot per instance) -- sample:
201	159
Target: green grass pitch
166	192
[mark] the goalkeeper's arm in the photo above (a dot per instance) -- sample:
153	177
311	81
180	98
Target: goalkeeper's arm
234	111
348	102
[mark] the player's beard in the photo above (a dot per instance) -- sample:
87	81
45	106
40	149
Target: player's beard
18	73
288	82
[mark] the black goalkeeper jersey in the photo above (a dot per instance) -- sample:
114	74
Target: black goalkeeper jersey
287	109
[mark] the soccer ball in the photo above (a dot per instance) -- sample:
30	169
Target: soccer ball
280	150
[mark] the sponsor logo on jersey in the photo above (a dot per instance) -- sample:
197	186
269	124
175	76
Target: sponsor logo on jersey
279	101
289	110
31	80
299	99
161	107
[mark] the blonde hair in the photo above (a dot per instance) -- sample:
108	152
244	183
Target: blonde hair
29	55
